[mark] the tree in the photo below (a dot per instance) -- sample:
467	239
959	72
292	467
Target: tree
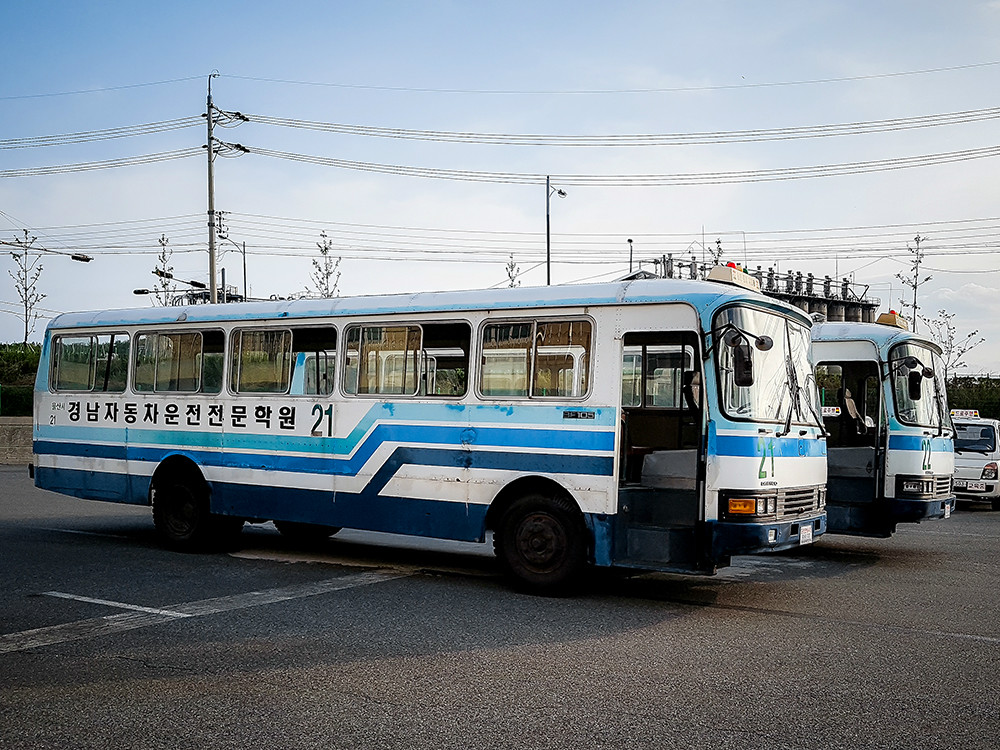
513	272
913	281
326	269
26	281
165	288
953	347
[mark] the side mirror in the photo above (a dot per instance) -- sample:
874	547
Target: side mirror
914	378
743	359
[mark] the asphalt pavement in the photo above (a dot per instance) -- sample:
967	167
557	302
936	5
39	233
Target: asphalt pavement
375	641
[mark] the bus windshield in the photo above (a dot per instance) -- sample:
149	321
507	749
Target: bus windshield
918	388
763	362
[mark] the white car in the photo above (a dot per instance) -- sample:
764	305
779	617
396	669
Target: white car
977	452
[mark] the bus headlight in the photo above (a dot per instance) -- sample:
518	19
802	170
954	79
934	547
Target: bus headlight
916	486
990	471
745	505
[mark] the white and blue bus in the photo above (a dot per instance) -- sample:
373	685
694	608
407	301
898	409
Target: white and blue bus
890	439
649	424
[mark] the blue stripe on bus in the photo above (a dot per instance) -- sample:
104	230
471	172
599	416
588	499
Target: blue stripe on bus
510	460
273	447
754	445
916	443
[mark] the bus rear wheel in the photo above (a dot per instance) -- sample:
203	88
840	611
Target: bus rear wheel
305	533
541	544
183	521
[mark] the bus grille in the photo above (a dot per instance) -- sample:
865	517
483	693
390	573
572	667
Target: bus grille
792	502
942	487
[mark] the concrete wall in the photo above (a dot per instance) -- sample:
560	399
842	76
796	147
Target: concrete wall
15	440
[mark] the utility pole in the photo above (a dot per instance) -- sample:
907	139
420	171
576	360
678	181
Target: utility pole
210	116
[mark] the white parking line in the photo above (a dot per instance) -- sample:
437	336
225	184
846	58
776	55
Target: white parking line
119	605
141	617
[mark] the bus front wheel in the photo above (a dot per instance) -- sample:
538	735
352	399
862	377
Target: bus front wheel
182	518
541	543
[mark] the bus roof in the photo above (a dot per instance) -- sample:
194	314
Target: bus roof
884	337
702	295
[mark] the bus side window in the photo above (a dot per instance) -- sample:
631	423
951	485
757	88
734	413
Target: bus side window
382	360
260	361
561	359
506	358
168	362
849	393
445	370
90	363
540	359
830	381
212	358
73	363
315	354
661	409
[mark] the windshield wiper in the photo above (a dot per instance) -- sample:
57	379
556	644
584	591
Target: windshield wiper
795	398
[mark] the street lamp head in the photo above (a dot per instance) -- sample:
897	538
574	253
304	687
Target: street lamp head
81	257
141	291
561	193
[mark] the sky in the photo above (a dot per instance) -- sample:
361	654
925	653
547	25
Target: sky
721	98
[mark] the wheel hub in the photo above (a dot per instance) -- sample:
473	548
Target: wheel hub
541	540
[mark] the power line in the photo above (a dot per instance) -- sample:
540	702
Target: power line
90	136
271	236
655	139
128	161
101	89
669	90
648	180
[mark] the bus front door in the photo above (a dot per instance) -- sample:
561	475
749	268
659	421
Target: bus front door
852	413
659	520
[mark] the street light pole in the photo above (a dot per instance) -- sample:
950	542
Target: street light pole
630	256
548	235
243	250
549	190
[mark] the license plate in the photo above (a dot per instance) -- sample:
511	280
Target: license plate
981	486
805	533
947	510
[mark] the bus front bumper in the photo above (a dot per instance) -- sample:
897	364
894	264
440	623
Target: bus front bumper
743	538
904	510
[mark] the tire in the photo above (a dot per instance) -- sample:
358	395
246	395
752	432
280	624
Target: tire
541	544
996	505
305	533
182	518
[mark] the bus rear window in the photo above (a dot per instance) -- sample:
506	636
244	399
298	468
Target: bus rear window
90	363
